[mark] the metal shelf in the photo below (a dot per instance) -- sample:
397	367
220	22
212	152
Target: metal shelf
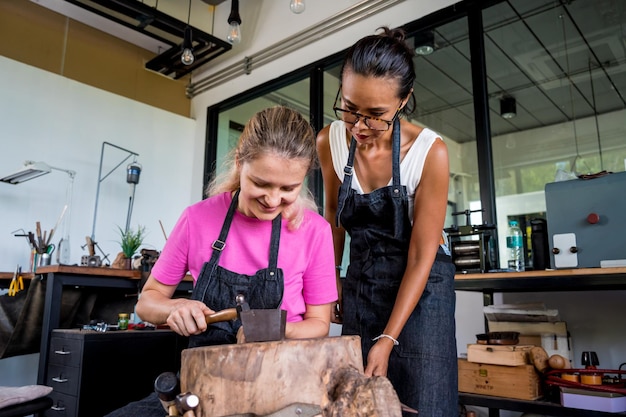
495	404
582	279
548	280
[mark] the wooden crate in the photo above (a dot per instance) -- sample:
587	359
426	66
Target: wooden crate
514	355
520	382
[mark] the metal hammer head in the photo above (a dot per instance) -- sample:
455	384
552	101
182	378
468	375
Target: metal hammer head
167	386
261	325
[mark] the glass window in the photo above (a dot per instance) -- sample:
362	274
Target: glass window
563	66
232	121
445	104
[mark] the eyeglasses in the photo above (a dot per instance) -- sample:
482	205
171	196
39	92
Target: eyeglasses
352	117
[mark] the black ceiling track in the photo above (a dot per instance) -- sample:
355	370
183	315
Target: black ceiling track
162	27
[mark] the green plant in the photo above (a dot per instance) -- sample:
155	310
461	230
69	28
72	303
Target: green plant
131	240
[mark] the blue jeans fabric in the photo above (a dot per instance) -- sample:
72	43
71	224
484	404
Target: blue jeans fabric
423	367
149	406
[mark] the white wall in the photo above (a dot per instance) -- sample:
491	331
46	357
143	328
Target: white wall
46	117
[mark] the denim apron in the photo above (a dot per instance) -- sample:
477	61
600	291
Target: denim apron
218	287
423	367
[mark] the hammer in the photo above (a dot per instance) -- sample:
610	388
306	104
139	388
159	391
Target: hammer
167	387
259	325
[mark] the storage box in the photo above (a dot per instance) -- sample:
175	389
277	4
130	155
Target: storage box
513	355
552	336
593	400
530	328
532	312
520	382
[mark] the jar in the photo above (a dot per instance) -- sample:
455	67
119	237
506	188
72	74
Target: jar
122	321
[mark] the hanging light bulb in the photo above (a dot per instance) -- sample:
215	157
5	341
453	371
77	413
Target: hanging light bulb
297	6
234	20
187	56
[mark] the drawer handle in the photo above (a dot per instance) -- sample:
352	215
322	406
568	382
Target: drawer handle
58	379
57	408
62	352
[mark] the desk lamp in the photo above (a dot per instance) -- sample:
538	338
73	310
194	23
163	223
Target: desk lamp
32	170
29	171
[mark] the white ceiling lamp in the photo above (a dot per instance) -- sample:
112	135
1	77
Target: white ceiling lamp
297	6
234	20
187	56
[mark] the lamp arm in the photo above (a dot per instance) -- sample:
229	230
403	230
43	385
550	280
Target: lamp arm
101	178
69	172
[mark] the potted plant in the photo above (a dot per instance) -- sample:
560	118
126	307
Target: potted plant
130	241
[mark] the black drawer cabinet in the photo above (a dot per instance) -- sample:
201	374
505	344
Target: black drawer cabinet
93	373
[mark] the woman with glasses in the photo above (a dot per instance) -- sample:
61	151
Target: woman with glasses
386	184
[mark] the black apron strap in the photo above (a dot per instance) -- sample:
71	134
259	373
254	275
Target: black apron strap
274	243
395	155
347	181
220	243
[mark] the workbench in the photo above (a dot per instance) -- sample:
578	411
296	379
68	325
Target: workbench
59	276
579	279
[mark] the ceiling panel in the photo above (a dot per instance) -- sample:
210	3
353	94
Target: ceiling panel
560	60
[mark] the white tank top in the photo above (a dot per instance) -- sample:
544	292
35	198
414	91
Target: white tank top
411	167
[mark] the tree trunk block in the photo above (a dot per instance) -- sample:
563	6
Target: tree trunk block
352	394
265	377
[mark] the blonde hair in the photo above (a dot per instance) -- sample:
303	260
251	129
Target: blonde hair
280	131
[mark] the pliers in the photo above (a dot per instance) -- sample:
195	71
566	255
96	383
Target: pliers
17	283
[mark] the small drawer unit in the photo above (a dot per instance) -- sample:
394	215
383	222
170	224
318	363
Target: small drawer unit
93	373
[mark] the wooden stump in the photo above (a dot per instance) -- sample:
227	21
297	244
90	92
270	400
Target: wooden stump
265	377
352	394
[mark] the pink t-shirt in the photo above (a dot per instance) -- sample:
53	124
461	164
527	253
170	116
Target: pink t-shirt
305	255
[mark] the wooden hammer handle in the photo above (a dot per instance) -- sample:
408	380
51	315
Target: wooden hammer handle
222	315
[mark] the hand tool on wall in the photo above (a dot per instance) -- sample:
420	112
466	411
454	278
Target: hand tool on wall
259	325
90	246
56	226
39	238
31	239
17	283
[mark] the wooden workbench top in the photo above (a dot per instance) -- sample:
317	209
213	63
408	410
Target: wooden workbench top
83	270
544	274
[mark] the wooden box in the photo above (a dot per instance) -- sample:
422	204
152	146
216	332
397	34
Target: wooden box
520	382
514	355
552	336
